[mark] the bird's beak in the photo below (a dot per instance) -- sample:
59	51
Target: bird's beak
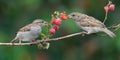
46	24
69	16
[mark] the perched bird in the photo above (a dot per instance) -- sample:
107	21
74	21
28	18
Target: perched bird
30	32
89	23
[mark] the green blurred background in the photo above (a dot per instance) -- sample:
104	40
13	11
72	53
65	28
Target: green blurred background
17	13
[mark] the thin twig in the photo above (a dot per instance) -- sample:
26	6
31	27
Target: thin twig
39	41
116	26
105	17
47	40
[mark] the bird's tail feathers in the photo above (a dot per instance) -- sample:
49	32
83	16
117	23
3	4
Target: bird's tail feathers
110	33
15	39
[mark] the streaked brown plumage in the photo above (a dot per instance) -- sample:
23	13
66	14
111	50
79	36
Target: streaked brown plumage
90	24
30	32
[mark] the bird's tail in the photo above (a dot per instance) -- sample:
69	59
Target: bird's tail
110	33
15	39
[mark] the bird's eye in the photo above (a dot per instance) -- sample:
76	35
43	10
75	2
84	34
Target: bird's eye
42	21
73	15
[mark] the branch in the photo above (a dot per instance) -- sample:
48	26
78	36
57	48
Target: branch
47	40
39	41
116	26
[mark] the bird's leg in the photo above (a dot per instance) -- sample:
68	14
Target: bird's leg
83	33
32	41
88	33
20	41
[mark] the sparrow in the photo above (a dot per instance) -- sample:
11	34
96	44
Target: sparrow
30	32
89	23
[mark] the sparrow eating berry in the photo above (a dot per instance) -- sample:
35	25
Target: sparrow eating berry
90	24
30	32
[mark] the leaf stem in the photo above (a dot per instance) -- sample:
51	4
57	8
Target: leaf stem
106	15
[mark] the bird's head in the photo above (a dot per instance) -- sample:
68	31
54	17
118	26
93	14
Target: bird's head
75	15
40	22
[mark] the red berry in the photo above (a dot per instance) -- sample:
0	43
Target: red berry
63	16
58	22
52	31
53	21
56	27
106	8
112	7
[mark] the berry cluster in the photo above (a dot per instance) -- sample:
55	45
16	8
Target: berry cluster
57	19
109	7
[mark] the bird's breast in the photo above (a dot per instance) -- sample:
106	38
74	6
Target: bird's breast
92	29
35	30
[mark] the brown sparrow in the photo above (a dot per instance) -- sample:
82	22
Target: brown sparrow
90	24
30	32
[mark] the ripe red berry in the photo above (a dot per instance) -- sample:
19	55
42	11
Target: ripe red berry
53	21
56	27
112	7
52	31
63	16
58	22
106	8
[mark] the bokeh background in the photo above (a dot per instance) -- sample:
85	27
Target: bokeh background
15	14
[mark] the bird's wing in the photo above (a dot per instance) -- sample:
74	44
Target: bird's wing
25	28
91	22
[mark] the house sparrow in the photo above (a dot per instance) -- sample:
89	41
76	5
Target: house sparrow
30	32
90	24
